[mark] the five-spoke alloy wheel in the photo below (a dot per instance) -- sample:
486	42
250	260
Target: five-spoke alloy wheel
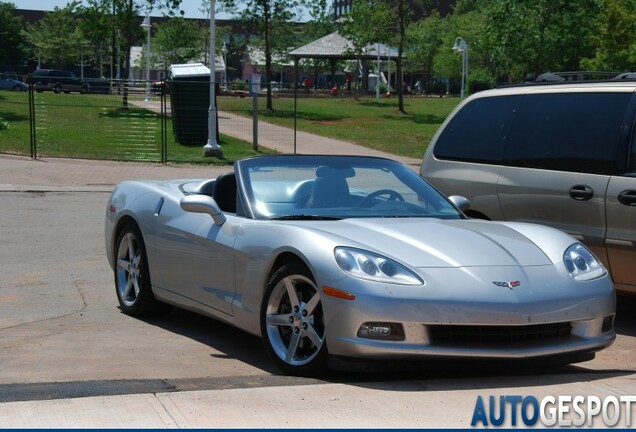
292	322
132	278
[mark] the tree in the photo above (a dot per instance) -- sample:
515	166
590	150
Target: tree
614	37
96	26
367	24
56	38
424	39
11	35
177	41
470	26
539	36
270	19
124	23
384	21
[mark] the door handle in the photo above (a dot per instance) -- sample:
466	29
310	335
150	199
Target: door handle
581	192
627	197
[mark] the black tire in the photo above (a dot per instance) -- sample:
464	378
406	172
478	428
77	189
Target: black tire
83	90
132	275
293	329
57	89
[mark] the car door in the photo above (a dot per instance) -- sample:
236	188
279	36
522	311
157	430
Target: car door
621	230
559	158
571	202
194	257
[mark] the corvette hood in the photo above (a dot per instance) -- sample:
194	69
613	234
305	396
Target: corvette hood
440	243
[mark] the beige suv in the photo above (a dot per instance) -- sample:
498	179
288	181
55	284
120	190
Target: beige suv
562	155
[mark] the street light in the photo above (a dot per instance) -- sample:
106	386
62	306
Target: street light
461	46
377	79
224	52
146	24
388	62
212	148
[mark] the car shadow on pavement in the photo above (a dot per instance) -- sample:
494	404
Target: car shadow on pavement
625	323
228	340
237	344
466	375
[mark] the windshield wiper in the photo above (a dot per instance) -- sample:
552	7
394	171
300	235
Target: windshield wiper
305	217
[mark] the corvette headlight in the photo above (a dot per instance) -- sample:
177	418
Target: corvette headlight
370	266
581	264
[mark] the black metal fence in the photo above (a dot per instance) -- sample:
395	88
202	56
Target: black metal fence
139	121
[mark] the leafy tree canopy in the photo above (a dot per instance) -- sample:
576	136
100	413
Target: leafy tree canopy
56	38
11	35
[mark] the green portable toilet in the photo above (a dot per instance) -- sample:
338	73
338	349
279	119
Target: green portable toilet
190	102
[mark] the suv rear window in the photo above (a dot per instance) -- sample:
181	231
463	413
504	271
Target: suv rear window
567	132
476	133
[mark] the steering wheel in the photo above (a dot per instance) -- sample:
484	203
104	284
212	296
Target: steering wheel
393	196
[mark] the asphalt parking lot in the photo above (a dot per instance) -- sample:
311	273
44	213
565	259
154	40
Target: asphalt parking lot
70	358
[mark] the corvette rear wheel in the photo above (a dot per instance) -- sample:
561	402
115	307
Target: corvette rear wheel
292	322
132	277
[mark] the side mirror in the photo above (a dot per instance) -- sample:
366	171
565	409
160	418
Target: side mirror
460	202
203	204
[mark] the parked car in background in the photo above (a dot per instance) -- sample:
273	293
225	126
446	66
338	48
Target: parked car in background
59	81
8	82
562	155
99	85
160	87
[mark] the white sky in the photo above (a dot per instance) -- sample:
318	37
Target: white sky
190	7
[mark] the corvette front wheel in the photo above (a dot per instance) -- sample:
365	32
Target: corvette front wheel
292	322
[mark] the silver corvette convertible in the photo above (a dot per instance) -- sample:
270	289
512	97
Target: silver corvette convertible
354	257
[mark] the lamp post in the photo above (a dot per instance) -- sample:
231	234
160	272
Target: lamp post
224	52
461	46
212	147
388	62
146	24
377	78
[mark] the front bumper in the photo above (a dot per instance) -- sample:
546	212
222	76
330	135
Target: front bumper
432	318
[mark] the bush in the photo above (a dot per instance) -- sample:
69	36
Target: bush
3	124
480	79
238	85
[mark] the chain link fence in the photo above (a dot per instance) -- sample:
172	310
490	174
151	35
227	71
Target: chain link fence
142	121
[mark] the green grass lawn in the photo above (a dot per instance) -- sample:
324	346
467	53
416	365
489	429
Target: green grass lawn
94	126
375	123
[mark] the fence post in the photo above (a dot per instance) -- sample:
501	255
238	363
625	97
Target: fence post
254	121
164	138
32	136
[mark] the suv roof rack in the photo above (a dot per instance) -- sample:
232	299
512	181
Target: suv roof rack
575	77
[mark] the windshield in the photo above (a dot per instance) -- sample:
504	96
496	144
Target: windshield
335	187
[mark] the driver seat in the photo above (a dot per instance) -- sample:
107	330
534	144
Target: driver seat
330	192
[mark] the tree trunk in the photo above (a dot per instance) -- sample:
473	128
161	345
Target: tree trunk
399	79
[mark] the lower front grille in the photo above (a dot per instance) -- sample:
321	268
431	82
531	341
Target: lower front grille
497	335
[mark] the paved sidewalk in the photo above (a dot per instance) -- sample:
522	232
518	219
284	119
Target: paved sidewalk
19	173
306	143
